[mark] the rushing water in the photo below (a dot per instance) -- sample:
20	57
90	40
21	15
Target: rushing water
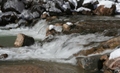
59	50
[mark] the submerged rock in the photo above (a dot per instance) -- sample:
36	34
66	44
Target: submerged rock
3	56
23	40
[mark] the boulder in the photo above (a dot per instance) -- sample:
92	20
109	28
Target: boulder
7	17
23	40
104	11
13	5
110	65
90	63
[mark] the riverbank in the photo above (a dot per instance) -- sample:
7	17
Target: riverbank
35	66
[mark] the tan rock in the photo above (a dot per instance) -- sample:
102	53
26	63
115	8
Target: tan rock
101	10
44	15
66	27
51	18
23	40
50	32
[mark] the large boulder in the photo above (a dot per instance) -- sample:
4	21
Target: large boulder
13	5
23	40
104	9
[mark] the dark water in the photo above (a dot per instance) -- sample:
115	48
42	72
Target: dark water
7	41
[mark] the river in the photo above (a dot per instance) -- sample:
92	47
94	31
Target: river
57	51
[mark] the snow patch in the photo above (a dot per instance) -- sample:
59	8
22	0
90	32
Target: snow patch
115	54
107	4
89	1
117	7
83	8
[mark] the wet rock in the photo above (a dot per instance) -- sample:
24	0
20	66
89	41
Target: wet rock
90	63
103	11
37	7
3	56
22	22
13	5
7	17
23	40
27	3
51	18
110	65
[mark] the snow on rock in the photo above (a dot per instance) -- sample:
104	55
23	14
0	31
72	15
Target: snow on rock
83	8
69	23
74	2
89	1
51	27
107	4
118	1
66	5
117	7
115	54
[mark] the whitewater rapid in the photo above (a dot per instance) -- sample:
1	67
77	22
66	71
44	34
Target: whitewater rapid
59	50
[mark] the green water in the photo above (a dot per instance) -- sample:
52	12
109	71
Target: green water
7	41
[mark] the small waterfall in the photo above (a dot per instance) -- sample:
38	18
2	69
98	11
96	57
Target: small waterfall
38	31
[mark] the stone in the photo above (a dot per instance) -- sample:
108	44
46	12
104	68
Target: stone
7	17
45	15
13	5
3	56
90	63
67	26
50	32
103	11
23	40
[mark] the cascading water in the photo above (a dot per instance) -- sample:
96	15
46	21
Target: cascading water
60	49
